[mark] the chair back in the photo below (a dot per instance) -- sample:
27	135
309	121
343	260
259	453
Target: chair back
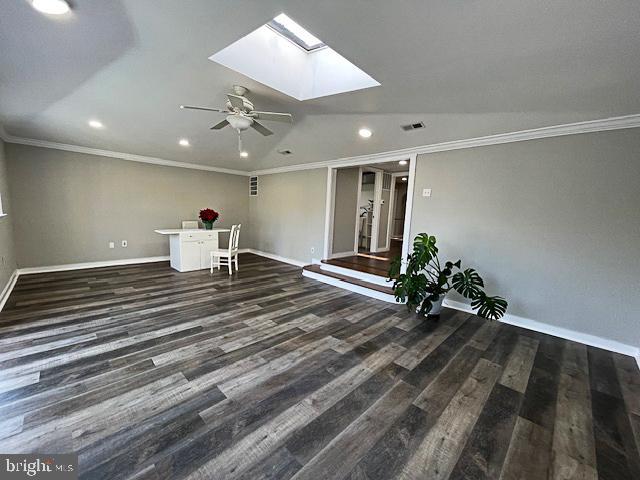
189	224
234	238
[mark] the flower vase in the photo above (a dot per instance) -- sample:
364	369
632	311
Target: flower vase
208	225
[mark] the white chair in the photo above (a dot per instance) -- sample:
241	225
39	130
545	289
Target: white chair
190	225
230	255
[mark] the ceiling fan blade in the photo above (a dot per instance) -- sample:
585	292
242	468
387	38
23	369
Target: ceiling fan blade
261	128
191	107
236	101
220	125
274	116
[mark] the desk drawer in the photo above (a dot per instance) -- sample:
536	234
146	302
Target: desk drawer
198	236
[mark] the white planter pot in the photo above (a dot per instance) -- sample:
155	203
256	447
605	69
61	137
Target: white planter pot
436	308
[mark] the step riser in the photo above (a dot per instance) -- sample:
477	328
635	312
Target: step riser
365	277
336	282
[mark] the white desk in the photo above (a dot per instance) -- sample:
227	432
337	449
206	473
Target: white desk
189	249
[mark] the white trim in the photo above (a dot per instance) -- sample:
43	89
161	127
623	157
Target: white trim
336	282
121	155
377	201
278	258
408	211
392	206
567	334
342	255
4	136
85	265
364	276
590	126
8	288
329	212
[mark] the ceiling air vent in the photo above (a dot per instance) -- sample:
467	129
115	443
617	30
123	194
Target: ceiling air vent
253	186
285	151
412	126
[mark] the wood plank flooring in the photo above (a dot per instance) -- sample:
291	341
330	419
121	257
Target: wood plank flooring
148	373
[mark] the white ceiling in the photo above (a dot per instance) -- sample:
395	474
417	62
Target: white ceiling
465	67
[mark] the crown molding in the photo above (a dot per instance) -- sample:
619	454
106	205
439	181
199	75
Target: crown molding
4	136
590	126
119	155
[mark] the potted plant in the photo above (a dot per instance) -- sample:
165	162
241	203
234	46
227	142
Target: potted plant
426	282
208	216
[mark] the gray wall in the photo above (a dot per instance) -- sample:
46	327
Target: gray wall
67	206
287	216
7	249
553	225
346	200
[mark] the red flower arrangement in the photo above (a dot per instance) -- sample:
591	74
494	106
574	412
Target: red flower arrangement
208	216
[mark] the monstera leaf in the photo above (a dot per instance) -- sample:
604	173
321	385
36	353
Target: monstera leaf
468	283
424	250
492	308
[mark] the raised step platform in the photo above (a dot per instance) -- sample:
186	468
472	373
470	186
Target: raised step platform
350	280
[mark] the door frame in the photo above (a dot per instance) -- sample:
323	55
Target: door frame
364	161
392	204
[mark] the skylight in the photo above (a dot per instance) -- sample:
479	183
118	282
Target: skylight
294	32
285	56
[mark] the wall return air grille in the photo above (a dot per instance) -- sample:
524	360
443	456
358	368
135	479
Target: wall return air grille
253	186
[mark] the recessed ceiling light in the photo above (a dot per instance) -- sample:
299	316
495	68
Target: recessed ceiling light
365	132
95	124
404	179
51	7
402	162
184	142
244	154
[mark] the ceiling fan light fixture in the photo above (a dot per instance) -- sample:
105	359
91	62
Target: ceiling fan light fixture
95	124
402	162
51	7
184	142
239	122
244	154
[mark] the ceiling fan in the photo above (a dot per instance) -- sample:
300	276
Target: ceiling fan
241	115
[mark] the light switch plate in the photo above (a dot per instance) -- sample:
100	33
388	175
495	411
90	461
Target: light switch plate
426	192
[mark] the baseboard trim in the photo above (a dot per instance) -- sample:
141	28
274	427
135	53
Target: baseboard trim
278	258
567	334
85	265
8	288
336	282
342	255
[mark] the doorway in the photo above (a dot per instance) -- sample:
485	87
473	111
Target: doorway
369	211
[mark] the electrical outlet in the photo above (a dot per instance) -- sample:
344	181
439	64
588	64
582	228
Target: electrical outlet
124	244
426	192
112	244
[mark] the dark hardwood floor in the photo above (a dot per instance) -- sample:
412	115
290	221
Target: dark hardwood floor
374	263
148	373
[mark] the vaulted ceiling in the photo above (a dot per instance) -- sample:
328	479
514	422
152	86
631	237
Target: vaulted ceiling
465	68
